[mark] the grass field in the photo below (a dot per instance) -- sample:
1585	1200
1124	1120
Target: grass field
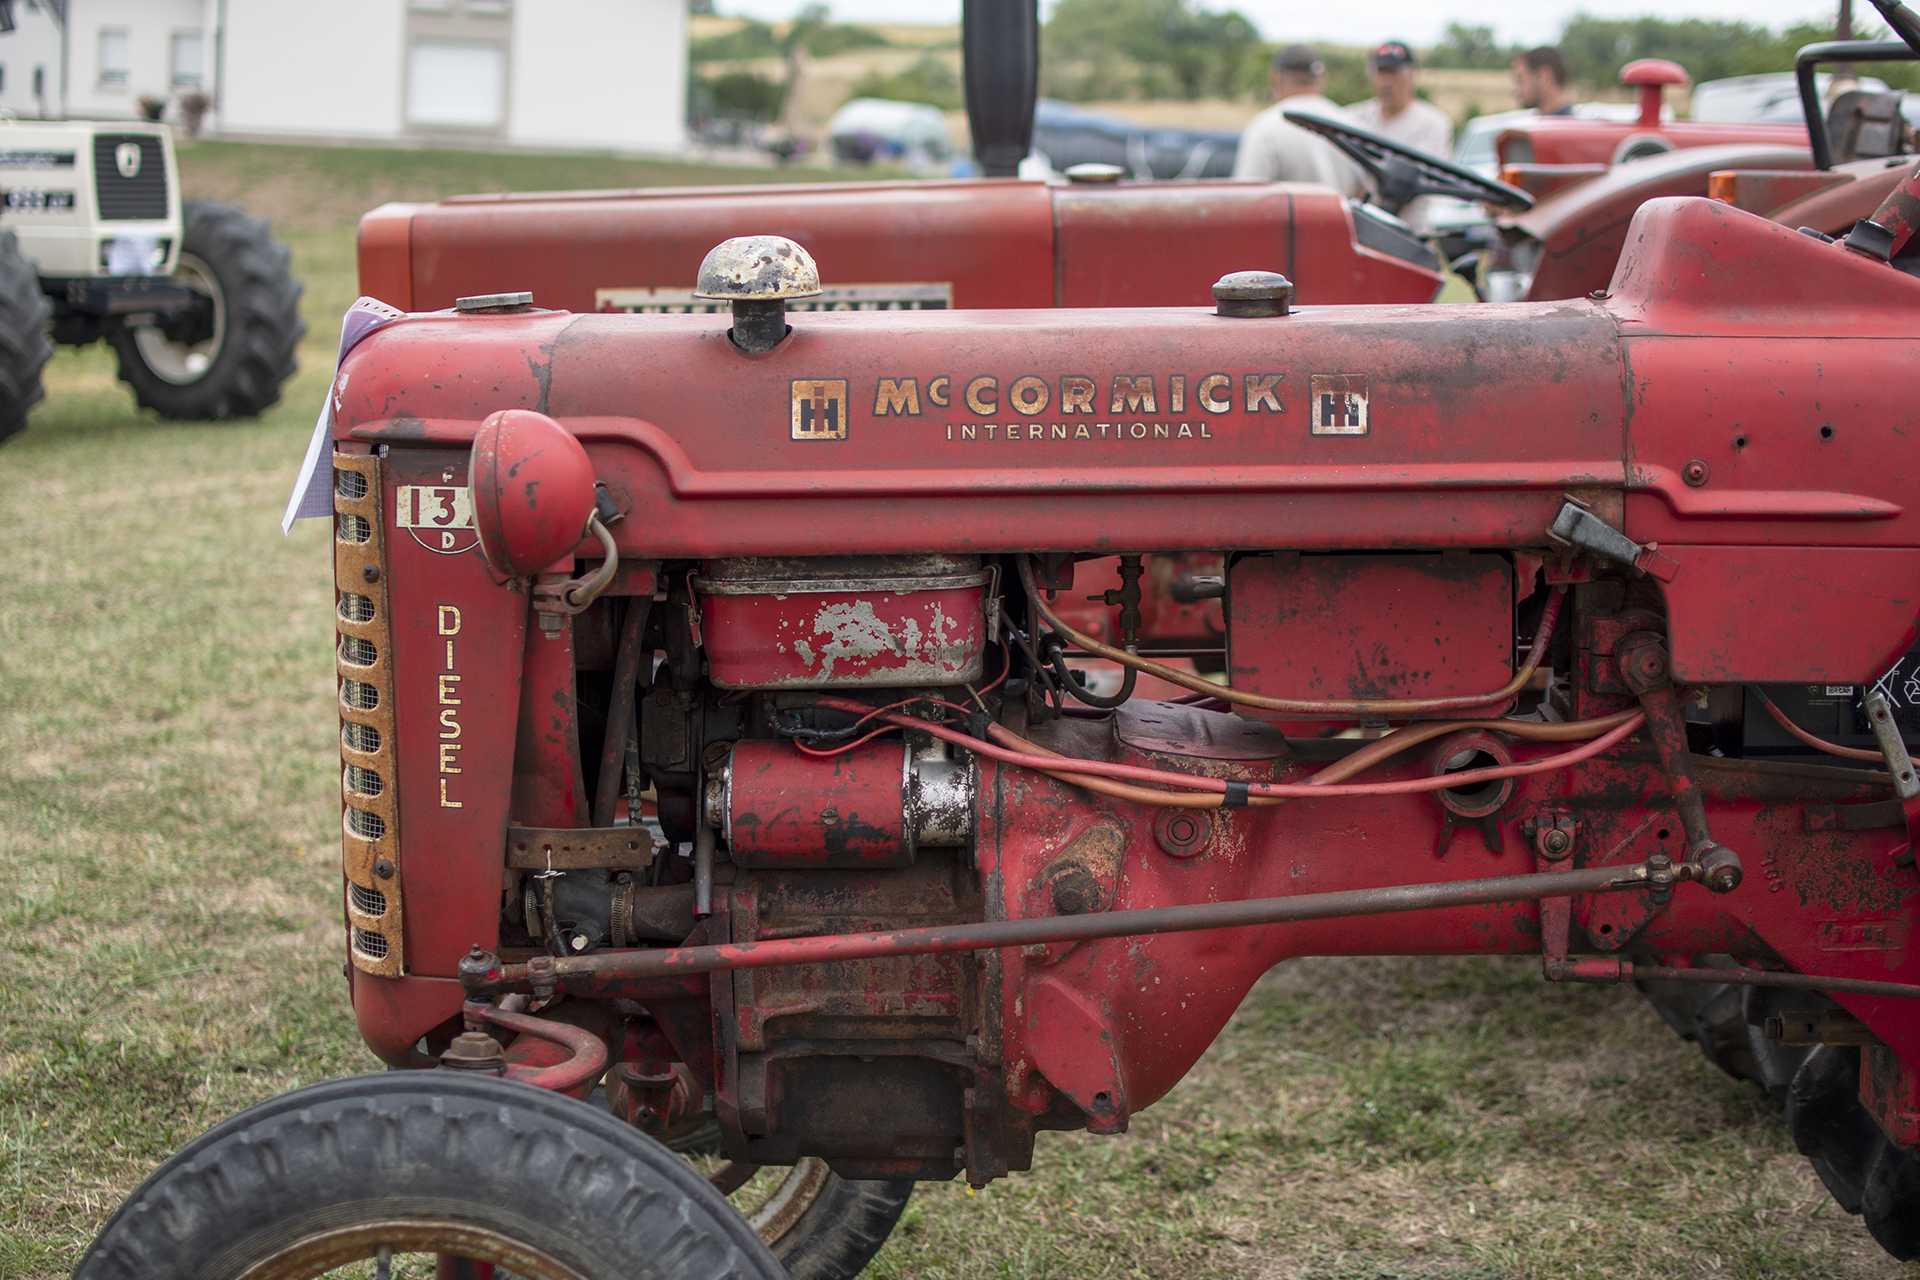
169	919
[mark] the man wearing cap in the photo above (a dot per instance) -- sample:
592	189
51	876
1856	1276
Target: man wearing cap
1394	112
1275	149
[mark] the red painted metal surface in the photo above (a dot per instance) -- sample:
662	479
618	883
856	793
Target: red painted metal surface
532	490
458	646
1571	140
1386	626
1582	230
786	810
993	243
1762	191
764	629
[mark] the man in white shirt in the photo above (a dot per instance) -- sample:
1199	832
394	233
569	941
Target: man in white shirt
1395	112
1275	149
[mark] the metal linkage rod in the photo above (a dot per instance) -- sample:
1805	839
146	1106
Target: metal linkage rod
604	974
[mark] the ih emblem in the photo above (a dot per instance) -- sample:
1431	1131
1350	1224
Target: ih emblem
820	409
1339	404
126	158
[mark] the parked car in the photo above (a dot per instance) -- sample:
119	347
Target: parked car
1065	135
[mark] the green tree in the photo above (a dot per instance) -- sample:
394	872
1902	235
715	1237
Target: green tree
1464	46
1145	49
929	80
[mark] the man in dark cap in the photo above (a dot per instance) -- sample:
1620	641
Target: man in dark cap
1394	111
1276	149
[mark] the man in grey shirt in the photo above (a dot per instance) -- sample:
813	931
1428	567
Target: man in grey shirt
1275	149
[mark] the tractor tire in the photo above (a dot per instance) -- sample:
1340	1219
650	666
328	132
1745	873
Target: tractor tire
1726	1021
24	346
819	1225
825	1227
426	1162
1866	1174
231	361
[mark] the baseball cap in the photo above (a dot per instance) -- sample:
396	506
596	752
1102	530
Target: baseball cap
1392	53
1297	57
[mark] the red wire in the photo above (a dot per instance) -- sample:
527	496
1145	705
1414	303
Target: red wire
1292	790
1006	667
834	751
1818	744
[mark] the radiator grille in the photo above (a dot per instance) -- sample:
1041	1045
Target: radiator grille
359	737
369	824
142	197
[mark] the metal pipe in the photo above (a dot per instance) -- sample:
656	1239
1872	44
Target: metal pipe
602	974
613	749
703	842
589	1051
1764	978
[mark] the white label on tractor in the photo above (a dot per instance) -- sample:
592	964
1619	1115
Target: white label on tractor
440	517
838	297
1339	404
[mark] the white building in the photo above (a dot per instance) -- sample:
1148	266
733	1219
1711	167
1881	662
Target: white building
596	74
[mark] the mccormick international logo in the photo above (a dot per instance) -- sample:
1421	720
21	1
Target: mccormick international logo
820	409
1339	404
126	158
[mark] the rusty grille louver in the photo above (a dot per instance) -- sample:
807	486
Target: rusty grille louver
370	829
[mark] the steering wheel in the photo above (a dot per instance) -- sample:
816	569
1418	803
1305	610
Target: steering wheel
1400	174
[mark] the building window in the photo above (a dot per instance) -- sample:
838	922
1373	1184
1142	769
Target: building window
462	86
188	68
114	58
40	82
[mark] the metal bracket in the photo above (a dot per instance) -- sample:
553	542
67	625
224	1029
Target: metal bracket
1578	526
1906	785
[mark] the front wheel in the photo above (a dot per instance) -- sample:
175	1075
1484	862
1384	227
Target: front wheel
426	1163
227	356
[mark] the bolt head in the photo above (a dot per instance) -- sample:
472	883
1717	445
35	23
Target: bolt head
370	572
1695	473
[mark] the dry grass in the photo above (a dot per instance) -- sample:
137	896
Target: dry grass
169	949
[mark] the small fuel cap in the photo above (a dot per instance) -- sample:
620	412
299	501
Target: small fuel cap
1253	293
1094	172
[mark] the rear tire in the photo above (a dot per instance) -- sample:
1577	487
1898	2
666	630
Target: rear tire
24	346
835	1236
426	1162
236	367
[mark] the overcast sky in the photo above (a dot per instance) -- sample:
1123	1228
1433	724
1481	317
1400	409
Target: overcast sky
1417	21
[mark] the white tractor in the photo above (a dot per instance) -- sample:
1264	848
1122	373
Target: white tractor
195	298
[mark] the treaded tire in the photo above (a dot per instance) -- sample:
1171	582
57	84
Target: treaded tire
262	329
844	1227
24	345
427	1149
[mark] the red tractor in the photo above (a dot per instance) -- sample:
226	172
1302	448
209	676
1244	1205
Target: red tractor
1826	175
912	900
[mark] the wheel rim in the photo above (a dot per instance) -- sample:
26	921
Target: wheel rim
178	362
321	1252
771	1210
